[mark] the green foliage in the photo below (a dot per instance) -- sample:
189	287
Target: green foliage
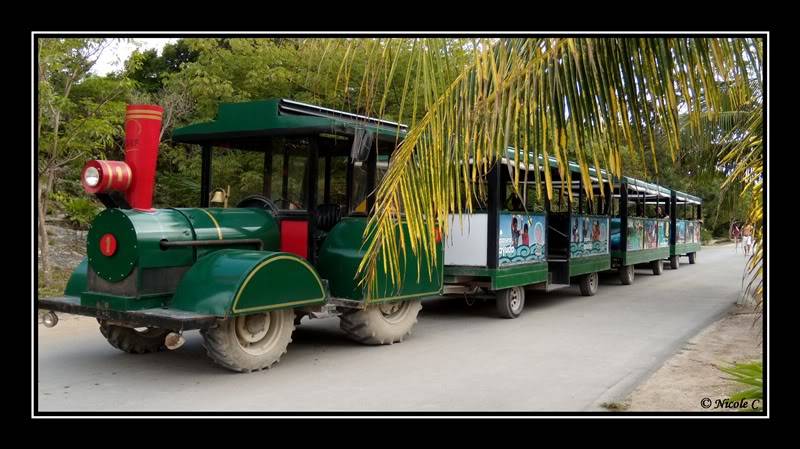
80	210
149	70
750	375
705	236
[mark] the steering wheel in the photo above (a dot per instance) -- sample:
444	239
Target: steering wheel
288	201
261	202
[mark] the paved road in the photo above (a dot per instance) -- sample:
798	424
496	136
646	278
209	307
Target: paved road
566	352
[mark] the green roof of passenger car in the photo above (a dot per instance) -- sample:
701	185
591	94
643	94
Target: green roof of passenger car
575	168
685	197
275	117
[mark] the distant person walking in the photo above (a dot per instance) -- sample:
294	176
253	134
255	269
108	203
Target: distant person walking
747	238
735	234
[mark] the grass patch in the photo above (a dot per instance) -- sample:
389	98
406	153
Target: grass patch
58	282
615	406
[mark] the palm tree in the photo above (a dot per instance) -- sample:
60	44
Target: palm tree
592	100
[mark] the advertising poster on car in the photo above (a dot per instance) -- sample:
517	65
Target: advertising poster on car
588	236
521	239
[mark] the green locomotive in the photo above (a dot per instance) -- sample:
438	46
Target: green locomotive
242	275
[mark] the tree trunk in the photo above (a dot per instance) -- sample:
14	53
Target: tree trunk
41	204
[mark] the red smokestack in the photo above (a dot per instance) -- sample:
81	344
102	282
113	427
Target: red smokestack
142	131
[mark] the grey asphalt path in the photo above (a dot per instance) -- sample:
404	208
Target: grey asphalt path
566	352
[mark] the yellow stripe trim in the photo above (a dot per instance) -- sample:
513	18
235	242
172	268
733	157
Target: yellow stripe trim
150	117
262	265
219	231
130	176
107	171
143	111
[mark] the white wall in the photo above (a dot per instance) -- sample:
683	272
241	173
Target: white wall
466	243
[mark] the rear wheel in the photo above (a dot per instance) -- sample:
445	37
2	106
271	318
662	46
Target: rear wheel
381	324
134	341
692	257
673	262
658	267
626	274
252	342
510	302
588	284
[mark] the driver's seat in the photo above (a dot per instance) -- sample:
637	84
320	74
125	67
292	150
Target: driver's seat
328	214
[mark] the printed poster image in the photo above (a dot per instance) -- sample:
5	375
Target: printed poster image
651	234
680	236
663	234
697	237
589	236
521	239
635	234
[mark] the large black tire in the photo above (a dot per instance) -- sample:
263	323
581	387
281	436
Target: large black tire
134	341
252	342
588	284
381	324
510	302
626	274
658	267
692	258
674	263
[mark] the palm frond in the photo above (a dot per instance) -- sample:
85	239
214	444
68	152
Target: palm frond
585	99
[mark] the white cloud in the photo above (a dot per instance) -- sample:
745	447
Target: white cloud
114	57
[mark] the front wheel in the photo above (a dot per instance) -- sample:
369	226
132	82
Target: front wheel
658	267
588	284
673	262
381	324
134	341
626	274
510	302
692	258
252	342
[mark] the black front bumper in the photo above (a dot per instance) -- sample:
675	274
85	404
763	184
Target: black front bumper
176	320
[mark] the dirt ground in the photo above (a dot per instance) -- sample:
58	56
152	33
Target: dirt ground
691	374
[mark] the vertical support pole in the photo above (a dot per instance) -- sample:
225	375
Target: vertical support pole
349	185
205	176
327	189
580	196
673	219
372	167
267	190
285	177
623	215
495	198
311	196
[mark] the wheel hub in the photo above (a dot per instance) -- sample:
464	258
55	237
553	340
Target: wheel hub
394	312
252	328
515	299
389	309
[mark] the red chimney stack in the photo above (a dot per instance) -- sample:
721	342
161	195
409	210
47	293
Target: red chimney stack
136	176
142	132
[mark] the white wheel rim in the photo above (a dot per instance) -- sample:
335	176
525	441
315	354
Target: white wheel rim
256	333
515	299
592	281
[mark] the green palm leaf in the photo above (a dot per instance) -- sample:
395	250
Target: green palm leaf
592	100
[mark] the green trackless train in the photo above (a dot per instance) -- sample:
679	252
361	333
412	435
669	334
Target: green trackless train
245	275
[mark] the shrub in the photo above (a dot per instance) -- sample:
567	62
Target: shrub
80	211
705	236
750	375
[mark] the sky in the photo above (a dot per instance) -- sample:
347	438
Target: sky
114	57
